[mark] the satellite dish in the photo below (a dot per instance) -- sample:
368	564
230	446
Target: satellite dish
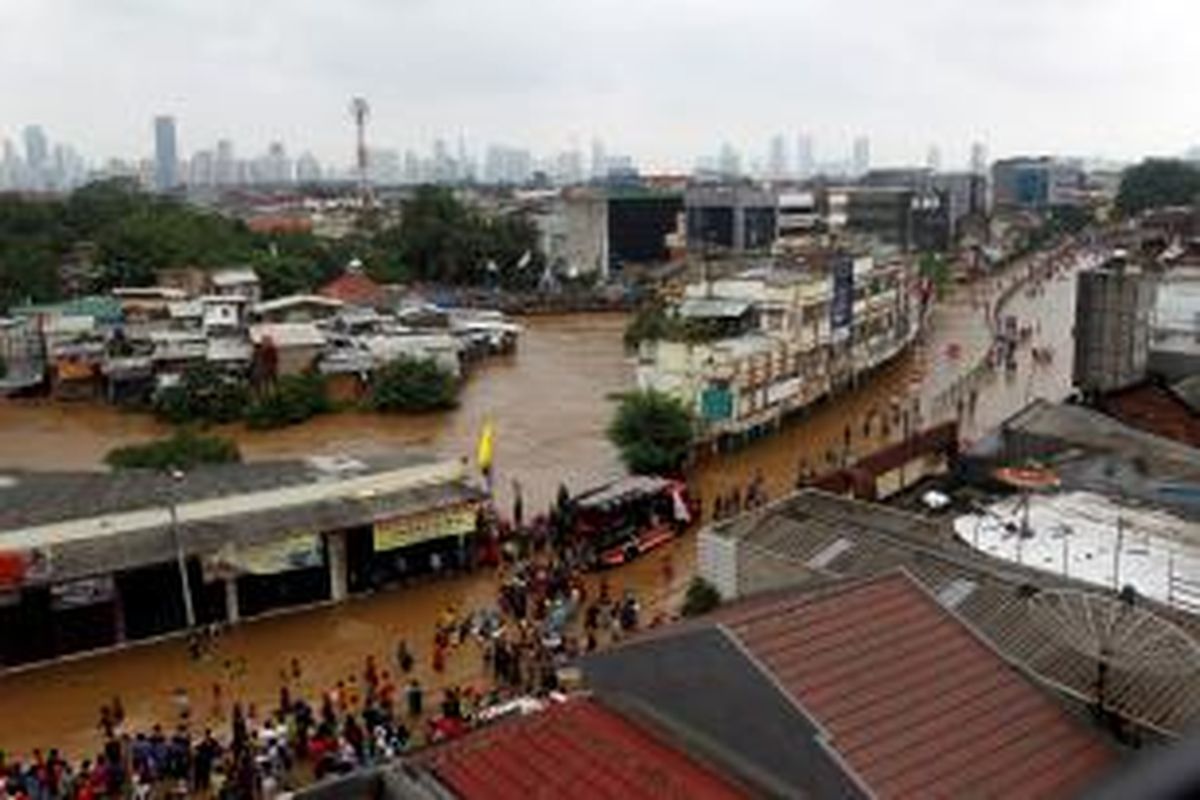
1114	632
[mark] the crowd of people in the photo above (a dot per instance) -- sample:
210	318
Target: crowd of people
543	617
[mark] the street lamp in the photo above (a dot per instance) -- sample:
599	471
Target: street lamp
189	609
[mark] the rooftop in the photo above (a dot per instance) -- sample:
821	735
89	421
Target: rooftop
713	308
812	537
900	699
578	749
296	301
233	277
89	523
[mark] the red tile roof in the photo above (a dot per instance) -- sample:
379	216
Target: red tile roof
353	288
1154	409
913	702
579	750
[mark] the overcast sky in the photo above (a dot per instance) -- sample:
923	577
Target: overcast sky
663	80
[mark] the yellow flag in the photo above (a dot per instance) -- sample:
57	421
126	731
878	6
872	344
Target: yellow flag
486	436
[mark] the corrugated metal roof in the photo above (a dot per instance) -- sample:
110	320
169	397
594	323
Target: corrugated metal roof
713	308
578	749
288	334
775	545
914	703
233	277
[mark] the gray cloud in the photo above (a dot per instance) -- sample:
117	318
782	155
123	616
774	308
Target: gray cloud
662	79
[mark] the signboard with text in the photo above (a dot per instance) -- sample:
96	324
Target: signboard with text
416	528
841	308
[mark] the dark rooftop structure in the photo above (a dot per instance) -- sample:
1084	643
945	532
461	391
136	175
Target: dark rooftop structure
1093	451
1166	411
90	523
811	538
858	688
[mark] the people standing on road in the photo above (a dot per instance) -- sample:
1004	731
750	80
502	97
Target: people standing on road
414	696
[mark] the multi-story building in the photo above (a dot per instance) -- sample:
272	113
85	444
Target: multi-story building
738	217
861	156
1174	347
907	218
1036	183
772	340
166	155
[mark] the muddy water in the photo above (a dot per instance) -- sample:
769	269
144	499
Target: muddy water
549	403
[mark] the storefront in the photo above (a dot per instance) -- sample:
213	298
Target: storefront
290	571
398	549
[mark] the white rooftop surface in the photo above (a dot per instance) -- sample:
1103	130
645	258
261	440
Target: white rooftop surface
358	487
288	334
1075	533
295	301
233	277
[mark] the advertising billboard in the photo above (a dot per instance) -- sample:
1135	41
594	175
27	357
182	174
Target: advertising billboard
841	309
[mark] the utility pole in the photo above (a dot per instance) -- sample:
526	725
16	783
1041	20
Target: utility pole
185	582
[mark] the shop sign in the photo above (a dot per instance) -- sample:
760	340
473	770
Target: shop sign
294	552
413	529
716	403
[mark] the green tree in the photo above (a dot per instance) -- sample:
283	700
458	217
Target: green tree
203	394
701	598
410	384
183	449
934	267
292	400
653	432
1158	182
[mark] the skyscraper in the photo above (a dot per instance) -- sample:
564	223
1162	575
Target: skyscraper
777	160
599	160
979	158
308	168
37	150
729	162
226	172
804	156
861	159
166	158
933	158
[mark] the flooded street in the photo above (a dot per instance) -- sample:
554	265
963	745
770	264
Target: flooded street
551	405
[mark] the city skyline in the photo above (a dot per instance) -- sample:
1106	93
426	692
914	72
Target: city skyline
643	78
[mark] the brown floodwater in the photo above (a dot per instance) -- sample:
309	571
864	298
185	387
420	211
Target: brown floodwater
551	402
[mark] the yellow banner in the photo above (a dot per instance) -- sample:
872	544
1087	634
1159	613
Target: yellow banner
405	531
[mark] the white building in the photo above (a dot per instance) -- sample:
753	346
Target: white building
769	341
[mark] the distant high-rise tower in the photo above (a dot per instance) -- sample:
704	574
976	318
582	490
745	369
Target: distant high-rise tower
37	150
308	168
933	158
359	110
979	158
777	158
599	160
804	156
226	167
729	162
166	156
861	159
